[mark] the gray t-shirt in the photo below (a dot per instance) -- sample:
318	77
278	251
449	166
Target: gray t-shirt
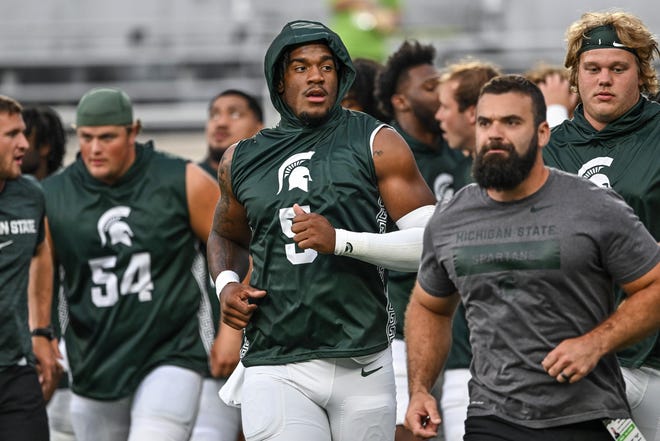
532	273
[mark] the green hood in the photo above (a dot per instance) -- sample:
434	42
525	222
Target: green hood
582	134
297	33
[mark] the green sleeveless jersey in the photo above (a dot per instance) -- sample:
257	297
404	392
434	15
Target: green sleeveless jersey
625	156
317	305
21	231
132	274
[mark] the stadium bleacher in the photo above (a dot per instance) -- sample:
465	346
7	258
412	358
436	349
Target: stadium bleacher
184	51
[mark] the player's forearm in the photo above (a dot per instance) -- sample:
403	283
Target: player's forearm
428	339
40	288
224	254
637	317
397	250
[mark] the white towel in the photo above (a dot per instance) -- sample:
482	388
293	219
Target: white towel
232	391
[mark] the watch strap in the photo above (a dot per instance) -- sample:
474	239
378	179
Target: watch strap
47	332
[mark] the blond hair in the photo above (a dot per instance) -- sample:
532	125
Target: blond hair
630	31
471	75
9	105
543	70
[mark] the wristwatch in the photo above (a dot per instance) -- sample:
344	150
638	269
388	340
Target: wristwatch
47	332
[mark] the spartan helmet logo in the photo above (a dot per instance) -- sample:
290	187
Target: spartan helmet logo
592	171
297	174
111	224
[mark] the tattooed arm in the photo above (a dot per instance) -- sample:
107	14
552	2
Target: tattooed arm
228	251
400	183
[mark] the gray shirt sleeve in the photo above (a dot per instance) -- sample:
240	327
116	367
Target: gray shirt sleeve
432	275
628	249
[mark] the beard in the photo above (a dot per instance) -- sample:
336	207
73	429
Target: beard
428	120
313	121
216	153
30	163
500	172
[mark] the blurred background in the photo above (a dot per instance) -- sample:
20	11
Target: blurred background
172	56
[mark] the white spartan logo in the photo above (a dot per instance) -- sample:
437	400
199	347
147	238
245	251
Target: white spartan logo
592	171
111	224
297	174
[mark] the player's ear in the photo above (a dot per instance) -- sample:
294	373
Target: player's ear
543	132
399	102
471	114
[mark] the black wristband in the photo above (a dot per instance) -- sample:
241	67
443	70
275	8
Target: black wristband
47	332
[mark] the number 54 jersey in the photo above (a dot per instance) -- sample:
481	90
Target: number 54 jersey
131	273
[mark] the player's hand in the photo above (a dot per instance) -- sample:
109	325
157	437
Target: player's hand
313	231
572	359
237	304
225	352
422	416
556	90
48	368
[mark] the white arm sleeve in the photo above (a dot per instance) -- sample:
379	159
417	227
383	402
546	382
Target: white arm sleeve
397	250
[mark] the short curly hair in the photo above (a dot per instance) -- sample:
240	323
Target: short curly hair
631	32
410	54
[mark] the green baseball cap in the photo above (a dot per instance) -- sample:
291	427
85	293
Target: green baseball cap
104	107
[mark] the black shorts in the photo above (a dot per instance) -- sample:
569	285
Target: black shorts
490	428
22	408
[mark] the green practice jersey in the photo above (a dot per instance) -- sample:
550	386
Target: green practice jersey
132	273
625	156
21	231
318	305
